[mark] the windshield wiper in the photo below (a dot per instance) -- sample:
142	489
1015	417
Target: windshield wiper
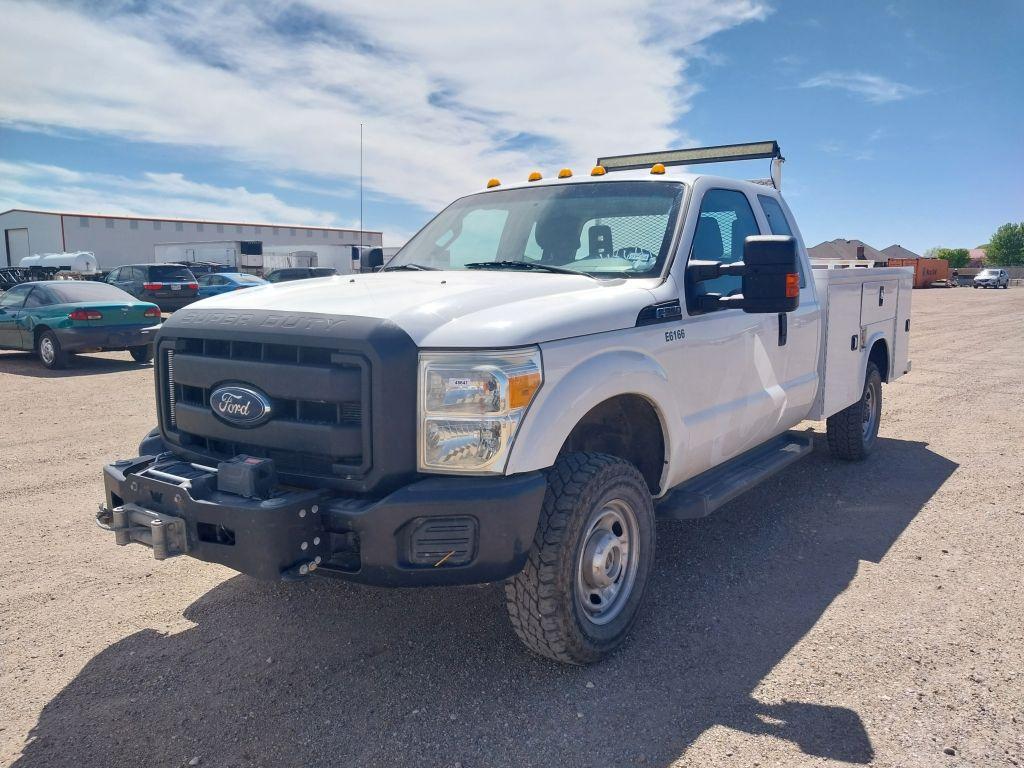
411	267
525	265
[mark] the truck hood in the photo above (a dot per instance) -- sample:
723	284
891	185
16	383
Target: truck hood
457	308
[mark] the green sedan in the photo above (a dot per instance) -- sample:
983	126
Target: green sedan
55	318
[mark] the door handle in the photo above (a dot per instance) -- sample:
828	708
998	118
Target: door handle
881	295
783	328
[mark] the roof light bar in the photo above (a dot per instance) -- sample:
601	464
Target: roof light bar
693	156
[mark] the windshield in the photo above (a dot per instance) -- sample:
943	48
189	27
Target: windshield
989	272
616	228
73	291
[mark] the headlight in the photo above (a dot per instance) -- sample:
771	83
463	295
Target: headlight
470	406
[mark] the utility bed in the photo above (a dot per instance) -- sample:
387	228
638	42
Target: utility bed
862	306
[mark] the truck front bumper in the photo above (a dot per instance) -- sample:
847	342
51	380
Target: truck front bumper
437	531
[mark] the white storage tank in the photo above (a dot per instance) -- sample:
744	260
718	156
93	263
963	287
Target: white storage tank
79	262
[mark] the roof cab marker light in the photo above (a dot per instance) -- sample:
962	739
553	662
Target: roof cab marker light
598	170
493	183
535	176
565	173
658	168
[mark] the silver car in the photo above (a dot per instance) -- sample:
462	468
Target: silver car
992	278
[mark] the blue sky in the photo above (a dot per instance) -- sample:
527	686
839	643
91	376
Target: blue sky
902	122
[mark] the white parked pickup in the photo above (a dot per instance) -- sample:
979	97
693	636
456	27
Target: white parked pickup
544	369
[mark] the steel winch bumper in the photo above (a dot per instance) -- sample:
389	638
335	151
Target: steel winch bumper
433	531
175	508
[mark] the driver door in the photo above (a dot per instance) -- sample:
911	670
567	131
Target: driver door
725	374
11	303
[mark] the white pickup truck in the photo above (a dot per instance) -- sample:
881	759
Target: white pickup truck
541	373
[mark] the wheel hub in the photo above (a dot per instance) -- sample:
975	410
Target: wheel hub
608	561
46	349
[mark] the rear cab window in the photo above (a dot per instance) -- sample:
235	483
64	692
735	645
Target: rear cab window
779	225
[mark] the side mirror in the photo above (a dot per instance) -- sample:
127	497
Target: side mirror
770	275
771	282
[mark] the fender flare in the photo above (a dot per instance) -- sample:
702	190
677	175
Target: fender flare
560	407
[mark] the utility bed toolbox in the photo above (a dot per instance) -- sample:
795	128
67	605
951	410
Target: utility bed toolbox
863	305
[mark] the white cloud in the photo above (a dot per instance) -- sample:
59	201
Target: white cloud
450	92
874	88
32	185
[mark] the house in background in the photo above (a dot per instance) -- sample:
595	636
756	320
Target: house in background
977	256
847	250
899	252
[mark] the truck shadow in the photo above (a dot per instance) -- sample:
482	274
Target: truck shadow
27	364
327	673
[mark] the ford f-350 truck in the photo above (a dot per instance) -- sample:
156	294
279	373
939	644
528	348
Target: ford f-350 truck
541	373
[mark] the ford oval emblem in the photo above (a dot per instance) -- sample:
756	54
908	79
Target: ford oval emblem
240	406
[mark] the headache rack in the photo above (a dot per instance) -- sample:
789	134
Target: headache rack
724	153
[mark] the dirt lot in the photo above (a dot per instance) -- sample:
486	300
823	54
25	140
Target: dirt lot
866	614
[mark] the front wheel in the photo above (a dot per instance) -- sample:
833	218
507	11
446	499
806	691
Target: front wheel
50	353
581	590
141	354
853	432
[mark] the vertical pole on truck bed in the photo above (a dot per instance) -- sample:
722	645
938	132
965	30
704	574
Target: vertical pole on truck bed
360	193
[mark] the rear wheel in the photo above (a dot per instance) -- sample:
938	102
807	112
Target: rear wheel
581	590
49	351
141	354
853	432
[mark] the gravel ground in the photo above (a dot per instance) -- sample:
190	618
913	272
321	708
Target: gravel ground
841	613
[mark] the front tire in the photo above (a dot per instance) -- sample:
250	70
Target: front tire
141	354
581	590
49	351
853	432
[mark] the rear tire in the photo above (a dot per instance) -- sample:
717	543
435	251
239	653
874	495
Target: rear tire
141	354
853	432
49	351
581	590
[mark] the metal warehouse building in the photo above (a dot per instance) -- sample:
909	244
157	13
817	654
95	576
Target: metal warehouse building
120	240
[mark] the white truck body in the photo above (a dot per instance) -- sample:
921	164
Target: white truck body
723	386
224	252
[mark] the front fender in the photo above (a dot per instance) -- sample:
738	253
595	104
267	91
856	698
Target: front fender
568	396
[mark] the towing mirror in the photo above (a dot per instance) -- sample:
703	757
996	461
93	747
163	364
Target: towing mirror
771	281
770	277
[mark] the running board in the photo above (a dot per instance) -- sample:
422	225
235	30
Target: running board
703	494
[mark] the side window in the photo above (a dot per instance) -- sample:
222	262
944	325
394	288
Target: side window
779	224
477	240
113	276
204	280
36	298
726	220
776	218
15	297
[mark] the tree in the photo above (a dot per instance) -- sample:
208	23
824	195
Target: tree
958	258
1006	249
933	253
